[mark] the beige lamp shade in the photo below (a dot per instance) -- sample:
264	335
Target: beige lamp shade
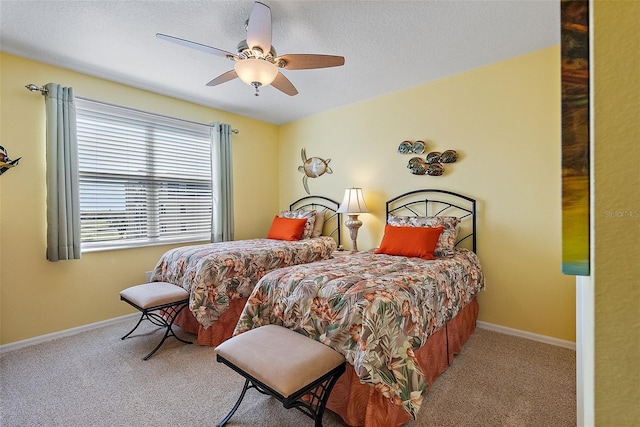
353	202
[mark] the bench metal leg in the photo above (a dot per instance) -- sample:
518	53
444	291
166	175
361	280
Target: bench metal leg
142	317
237	404
171	312
312	401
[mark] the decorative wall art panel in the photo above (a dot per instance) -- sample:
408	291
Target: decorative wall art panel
575	136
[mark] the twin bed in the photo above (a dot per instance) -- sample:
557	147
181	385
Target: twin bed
397	319
220	276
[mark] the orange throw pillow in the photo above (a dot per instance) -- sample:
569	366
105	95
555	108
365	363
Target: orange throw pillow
409	241
286	228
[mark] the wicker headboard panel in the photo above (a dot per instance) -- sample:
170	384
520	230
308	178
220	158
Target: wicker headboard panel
326	206
433	202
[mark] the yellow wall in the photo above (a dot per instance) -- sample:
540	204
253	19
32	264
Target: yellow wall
504	121
616	213
40	297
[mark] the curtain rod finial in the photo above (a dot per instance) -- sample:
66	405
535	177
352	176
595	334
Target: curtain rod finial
35	88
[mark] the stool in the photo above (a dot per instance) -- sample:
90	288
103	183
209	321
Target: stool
298	371
151	297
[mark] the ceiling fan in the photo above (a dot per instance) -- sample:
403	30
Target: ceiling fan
256	62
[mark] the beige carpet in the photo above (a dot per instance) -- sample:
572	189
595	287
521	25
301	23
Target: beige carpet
95	379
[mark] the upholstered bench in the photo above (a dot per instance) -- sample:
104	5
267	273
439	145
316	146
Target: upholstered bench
150	299
297	370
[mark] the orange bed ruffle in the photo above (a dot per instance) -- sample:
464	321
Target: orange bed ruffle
359	404
220	331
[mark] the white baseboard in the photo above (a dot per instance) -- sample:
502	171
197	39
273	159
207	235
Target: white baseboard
528	335
61	334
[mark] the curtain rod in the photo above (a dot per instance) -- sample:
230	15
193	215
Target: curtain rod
34	88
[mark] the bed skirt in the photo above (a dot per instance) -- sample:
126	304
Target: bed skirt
361	405
217	333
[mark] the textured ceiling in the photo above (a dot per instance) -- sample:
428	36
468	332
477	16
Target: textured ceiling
387	45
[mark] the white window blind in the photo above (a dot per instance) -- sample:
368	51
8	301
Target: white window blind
145	179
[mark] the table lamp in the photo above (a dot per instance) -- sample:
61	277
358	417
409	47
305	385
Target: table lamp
353	204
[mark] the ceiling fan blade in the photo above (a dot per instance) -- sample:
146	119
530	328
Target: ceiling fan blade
307	62
223	78
197	46
259	27
284	85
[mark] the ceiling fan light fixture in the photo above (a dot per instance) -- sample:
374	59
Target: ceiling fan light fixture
256	62
254	70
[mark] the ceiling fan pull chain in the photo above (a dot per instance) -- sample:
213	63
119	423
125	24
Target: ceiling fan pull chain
257	86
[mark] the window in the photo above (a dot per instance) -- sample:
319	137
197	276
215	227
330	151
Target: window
145	179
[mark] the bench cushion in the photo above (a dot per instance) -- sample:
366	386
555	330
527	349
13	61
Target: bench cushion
279	357
154	294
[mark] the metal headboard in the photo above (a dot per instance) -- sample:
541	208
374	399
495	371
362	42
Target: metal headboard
321	204
434	202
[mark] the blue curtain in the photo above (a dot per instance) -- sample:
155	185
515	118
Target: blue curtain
63	199
222	224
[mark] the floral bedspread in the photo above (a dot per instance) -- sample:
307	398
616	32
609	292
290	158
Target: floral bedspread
374	309
214	273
